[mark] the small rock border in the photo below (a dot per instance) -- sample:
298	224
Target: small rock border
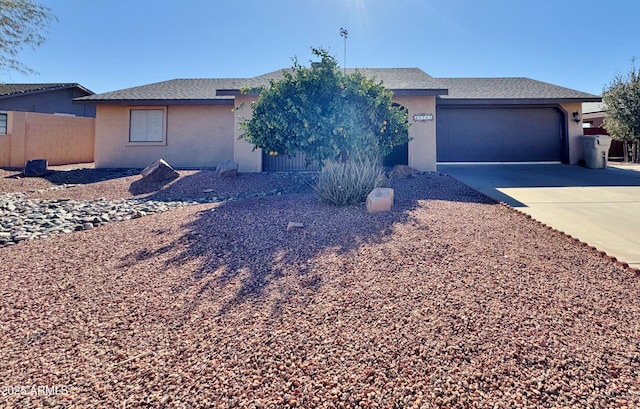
22	218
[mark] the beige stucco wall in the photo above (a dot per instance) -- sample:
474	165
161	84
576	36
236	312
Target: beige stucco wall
197	136
58	138
248	158
422	147
202	136
5	150
574	132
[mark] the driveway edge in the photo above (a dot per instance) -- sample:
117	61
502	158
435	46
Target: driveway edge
622	264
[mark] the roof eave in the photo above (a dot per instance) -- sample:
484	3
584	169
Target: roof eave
396	92
514	101
140	102
233	92
419	92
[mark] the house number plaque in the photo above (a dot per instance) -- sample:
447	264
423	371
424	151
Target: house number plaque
423	117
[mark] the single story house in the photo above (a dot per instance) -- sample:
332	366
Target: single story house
195	122
46	99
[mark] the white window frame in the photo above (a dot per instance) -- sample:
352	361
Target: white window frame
4	130
161	135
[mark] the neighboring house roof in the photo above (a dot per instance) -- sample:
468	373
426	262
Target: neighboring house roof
523	90
14	90
593	107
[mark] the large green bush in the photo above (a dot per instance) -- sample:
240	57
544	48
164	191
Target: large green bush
326	114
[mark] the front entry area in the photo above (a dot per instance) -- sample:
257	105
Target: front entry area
500	134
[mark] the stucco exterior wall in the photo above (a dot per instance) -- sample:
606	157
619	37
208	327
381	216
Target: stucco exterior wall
5	150
574	132
197	136
422	146
59	139
248	158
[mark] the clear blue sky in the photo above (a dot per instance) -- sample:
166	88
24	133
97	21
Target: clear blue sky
107	45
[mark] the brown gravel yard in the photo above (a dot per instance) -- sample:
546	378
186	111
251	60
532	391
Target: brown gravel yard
447	301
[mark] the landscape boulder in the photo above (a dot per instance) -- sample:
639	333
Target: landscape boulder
227	169
35	168
159	171
379	200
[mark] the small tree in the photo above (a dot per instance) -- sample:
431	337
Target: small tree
326	114
21	24
622	106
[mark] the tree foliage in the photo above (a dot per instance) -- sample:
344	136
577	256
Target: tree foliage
622	105
21	24
326	114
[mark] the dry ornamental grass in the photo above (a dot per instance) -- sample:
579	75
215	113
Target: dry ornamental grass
447	301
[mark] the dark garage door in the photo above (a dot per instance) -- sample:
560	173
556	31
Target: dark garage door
499	134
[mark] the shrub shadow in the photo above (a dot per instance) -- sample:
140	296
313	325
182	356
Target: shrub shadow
242	246
207	186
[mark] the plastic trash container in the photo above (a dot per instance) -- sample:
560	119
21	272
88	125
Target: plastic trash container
596	150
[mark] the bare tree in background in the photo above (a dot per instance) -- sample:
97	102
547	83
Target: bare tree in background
622	101
22	23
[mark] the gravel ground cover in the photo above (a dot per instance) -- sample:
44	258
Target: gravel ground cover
96	199
447	301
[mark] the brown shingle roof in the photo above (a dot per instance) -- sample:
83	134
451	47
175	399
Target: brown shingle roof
393	78
221	90
400	80
185	90
509	88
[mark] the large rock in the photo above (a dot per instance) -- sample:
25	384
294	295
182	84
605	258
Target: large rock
379	200
227	169
35	167
159	171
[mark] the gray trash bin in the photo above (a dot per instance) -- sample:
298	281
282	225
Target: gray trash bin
596	150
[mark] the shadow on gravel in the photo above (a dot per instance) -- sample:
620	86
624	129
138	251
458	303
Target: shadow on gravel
243	245
207	186
142	186
80	176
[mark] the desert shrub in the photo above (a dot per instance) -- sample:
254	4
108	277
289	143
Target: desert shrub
349	182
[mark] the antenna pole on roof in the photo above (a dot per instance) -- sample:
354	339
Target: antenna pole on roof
344	33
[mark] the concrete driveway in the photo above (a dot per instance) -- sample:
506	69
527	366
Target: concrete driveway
598	206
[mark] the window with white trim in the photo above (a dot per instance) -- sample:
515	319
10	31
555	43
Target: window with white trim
146	125
3	124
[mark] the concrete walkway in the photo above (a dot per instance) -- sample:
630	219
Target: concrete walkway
598	206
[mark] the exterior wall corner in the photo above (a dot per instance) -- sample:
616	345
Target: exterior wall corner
422	146
574	132
248	157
